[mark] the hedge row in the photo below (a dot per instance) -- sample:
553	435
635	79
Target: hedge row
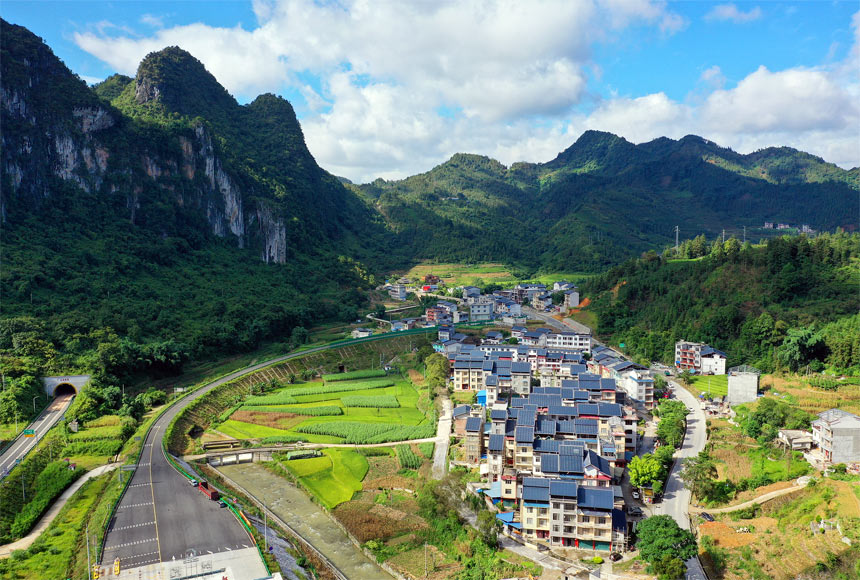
365	374
361	433
321	411
407	457
341	387
273	399
382	401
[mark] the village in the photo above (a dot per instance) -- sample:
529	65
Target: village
550	418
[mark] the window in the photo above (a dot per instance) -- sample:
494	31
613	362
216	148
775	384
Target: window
529	521
585	519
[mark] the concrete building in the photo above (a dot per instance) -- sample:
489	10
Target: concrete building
569	341
700	358
397	291
480	311
361	332
639	385
837	435
743	385
474	445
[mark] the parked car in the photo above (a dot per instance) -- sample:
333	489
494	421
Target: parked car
193	483
635	494
615	556
706	516
634	511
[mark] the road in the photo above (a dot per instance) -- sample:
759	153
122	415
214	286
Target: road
53	512
676	498
43	423
443	437
161	517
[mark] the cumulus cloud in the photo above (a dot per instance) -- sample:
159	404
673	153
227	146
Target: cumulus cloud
730	12
399	87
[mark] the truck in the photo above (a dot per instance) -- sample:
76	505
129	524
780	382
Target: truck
210	492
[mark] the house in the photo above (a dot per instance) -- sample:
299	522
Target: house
474	446
542	301
562	285
768	225
480	311
432	279
397	291
518	331
837	435
699	357
446	333
569	341
795	439
471	292
639	386
493	337
361	332
571	298
460	414
398	326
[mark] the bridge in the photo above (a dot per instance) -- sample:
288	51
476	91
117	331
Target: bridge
239	456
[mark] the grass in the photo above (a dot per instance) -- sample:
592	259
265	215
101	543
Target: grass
459	274
332	478
52	553
798	390
243	430
717	385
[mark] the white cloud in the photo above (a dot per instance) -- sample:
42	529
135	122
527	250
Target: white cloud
152	20
398	87
732	13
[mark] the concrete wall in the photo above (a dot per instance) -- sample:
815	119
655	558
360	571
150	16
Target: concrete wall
846	445
743	388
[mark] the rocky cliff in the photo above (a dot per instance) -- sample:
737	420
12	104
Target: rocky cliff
172	147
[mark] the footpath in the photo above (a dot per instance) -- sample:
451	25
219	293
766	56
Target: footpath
757	500
51	514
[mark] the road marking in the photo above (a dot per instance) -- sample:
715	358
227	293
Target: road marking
152	488
134	505
127	544
132	526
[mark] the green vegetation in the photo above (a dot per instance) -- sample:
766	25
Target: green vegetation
660	536
359	433
407	458
281	398
562	215
332	478
711	385
672	425
341	387
383	401
320	411
426	449
780	306
365	374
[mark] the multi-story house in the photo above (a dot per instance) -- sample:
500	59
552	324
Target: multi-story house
481	311
639	386
474	444
699	357
468	372
569	341
837	435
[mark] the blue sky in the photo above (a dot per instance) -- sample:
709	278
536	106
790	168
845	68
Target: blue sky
390	89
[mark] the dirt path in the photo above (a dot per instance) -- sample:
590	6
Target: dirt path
27	541
758	500
443	437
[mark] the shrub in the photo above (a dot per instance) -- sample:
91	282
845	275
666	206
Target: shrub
99	447
341	387
280	439
274	399
427	449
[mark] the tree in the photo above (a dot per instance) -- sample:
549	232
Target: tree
489	527
698	473
669	568
686	377
645	470
661	536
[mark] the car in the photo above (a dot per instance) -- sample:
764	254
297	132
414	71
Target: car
706	516
615	556
193	483
635	495
634	511
222	504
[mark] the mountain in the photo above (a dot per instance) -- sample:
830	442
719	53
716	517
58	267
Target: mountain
780	306
604	199
157	213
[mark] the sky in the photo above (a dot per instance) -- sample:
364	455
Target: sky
390	89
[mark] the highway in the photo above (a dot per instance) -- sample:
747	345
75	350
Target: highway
43	423
162	517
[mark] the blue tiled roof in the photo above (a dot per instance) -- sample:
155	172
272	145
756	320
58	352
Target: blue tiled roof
497	443
567	489
521	368
595	497
461	410
498	414
549	463
570	463
561	411
473	425
525	435
619	520
545	427
546	445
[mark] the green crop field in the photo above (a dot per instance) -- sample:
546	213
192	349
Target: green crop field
332	478
717	385
400	396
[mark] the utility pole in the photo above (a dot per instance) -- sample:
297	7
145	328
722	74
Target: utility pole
676	239
745	234
724	235
89	565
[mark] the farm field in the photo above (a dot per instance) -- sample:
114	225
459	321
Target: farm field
781	544
332	478
716	385
458	274
740	457
348	408
803	392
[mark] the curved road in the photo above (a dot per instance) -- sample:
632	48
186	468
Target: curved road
22	445
161	517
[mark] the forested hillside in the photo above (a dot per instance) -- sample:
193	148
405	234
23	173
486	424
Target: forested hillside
604	200
154	219
784	305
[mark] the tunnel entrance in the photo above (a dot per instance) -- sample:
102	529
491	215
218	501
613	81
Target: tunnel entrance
65	389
